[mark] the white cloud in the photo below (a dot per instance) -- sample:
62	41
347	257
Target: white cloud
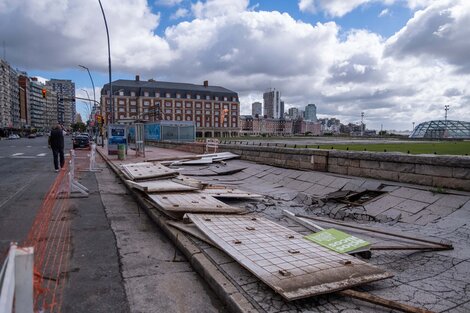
384	12
440	31
180	13
213	8
307	6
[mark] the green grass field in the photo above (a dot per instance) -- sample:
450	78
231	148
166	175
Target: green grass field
442	148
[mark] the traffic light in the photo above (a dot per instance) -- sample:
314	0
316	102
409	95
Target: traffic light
98	118
44	93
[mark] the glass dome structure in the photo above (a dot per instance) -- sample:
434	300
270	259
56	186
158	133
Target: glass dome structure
442	129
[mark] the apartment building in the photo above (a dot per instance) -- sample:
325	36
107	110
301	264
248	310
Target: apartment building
214	110
65	90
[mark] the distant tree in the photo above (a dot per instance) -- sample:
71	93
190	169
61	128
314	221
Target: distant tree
79	127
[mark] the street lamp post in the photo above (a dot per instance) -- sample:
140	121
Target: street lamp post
92	84
89	105
362	124
109	66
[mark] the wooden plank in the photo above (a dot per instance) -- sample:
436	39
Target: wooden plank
292	266
192	203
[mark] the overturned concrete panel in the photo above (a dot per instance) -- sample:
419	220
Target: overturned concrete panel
292	266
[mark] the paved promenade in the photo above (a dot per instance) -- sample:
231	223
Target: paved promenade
435	280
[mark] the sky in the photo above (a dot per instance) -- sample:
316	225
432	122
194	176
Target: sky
398	61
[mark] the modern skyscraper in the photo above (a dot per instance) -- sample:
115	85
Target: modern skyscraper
293	113
311	112
66	93
272	104
281	110
256	109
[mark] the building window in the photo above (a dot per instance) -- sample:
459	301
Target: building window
207	105
121	102
189	111
198	124
216	106
178	104
216	98
168	111
225	98
198	118
188	104
133	102
167	95
146	110
132	93
168	104
208	112
178	96
234	99
234	106
146	103
188	96
122	110
198	97
157	95
178	111
146	93
133	110
198	112
198	105
208	97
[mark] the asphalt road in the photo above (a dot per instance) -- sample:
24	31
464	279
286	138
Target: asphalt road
26	173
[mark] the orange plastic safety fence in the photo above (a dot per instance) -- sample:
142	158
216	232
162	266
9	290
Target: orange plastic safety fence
51	238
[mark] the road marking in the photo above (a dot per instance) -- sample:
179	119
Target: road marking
17	154
24	157
28	146
19	190
41	154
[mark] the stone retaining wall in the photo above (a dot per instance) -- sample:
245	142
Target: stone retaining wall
430	170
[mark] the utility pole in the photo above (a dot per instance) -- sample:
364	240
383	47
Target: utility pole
109	67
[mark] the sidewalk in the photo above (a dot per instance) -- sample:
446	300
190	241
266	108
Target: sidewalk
434	280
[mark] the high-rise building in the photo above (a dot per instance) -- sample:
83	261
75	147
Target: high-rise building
272	104
311	112
281	110
25	114
37	104
65	89
9	97
293	113
256	109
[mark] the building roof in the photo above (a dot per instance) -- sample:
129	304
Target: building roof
442	129
167	86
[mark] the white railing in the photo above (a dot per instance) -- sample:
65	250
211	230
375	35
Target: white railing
212	143
16	280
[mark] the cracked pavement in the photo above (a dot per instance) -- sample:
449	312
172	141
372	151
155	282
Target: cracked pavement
435	280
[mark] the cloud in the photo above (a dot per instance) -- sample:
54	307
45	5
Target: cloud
394	81
307	6
440	32
384	12
212	8
180	13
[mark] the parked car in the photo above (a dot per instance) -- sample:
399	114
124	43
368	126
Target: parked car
13	137
81	141
32	135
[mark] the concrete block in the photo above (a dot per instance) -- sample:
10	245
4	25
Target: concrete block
451	183
343	170
399	167
357	171
343	161
355	163
433	170
462	173
332	161
369	164
410	206
415	179
452	201
380	174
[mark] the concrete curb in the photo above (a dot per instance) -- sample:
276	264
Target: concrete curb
228	293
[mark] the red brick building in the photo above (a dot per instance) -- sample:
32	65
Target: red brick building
214	110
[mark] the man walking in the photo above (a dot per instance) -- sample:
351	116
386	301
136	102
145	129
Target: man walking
56	143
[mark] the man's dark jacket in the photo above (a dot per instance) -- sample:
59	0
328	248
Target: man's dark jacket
56	140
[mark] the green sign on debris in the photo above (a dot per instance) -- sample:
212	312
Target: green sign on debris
338	241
